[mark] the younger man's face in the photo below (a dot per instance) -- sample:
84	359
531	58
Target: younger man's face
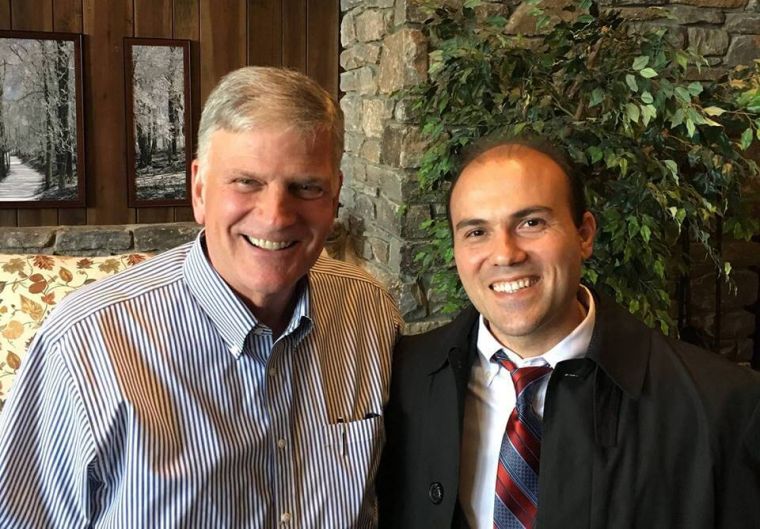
517	250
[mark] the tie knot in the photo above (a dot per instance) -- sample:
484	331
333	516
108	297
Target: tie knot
522	377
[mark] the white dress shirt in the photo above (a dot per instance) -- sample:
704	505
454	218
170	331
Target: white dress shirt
489	402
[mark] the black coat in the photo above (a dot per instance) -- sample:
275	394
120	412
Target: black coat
644	432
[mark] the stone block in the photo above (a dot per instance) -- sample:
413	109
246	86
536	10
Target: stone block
745	350
361	81
402	256
402	146
366	250
380	249
390	216
642	13
708	41
410	300
25	238
353	141
371	150
354	170
161	237
359	55
733	324
705	73
418	327
364	207
375	114
345	5
347	30
371	25
351	104
414	12
522	22
723	4
742	254
403	61
396	184
695	15
740	351
99	241
745	293
346	201
743	50
404	111
416	214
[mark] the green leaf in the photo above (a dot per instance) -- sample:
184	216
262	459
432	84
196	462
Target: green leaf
746	139
672	167
632	111
646	233
647	98
631	82
682	59
595	153
648	112
727	269
690	127
677	118
648	73
640	62
683	94
713	111
597	96
695	88
623	163
472	3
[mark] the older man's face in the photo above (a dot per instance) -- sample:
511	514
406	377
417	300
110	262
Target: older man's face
517	249
267	199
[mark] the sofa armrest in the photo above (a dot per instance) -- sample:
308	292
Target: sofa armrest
30	287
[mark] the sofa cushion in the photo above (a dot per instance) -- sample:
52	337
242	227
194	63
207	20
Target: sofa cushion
30	287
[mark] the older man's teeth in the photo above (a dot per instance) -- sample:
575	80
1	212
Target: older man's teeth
268	245
513	286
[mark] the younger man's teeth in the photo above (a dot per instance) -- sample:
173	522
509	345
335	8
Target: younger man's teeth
268	245
512	286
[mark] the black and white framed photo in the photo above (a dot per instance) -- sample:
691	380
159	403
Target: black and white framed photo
41	120
158	110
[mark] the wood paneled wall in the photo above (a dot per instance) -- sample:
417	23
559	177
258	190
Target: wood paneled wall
225	34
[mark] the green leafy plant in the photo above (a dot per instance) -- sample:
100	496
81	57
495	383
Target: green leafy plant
664	157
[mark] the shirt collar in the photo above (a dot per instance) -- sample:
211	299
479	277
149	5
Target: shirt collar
230	315
574	345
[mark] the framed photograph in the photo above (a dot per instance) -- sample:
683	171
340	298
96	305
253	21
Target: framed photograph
159	136
42	160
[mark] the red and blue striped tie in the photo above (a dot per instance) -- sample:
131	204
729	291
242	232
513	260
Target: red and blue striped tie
516	498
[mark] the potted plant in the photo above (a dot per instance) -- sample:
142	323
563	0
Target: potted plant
664	157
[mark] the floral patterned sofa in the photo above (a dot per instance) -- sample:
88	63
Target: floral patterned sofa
30	287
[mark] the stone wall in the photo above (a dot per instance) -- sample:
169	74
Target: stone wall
96	240
385	51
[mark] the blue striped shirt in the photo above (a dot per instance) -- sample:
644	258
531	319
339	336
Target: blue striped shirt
154	399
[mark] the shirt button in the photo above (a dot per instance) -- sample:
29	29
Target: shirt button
435	492
281	443
285	517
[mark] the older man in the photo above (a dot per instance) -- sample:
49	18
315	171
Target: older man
547	405
236	381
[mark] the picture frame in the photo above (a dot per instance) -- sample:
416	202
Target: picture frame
42	144
159	121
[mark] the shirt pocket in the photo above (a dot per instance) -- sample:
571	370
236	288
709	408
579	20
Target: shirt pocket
350	454
355	441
